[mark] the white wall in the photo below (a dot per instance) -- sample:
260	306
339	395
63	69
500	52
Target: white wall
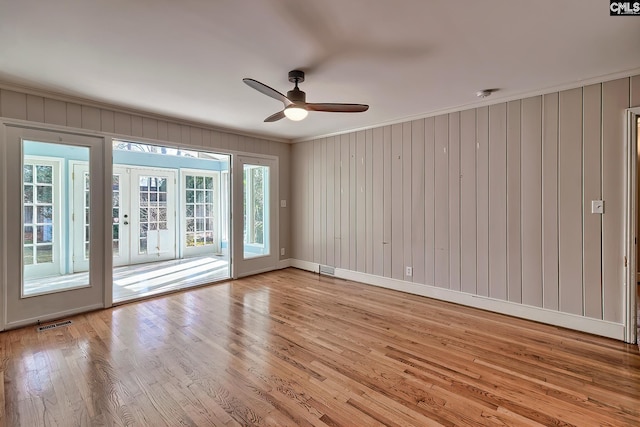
491	202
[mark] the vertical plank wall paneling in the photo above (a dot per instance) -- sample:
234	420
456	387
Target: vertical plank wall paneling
387	200
310	244
514	243
316	194
361	222
454	201
107	122
74	116
122	124
15	104
337	200
35	108
468	202
378	202
163	134
441	199
429	200
329	192
297	209
323	201
369	242
482	204
397	231
493	201
344	201
531	173
352	203
417	200
55	112
550	202
592	184
498	201
407	215
570	196
150	127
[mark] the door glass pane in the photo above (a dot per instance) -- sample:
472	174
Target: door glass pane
256	211
48	217
153	211
199	211
115	214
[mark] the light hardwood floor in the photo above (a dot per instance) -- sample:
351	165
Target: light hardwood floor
291	348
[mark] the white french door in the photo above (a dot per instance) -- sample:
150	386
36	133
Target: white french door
144	215
255	219
201	213
81	216
40	284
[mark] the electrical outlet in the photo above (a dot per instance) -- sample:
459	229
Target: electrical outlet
408	271
281	251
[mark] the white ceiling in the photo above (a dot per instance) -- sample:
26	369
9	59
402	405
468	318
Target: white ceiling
405	58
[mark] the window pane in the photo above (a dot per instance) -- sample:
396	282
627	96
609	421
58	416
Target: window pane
27	173
45	194
44	174
28	194
44	254
28	214
44	234
45	214
28	235
27	255
256	204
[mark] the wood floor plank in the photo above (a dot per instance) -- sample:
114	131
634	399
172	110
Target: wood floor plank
293	348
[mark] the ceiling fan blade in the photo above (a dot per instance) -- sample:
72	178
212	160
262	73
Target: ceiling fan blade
269	91
337	108
275	117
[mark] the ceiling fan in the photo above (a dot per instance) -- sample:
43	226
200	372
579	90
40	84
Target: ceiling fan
295	106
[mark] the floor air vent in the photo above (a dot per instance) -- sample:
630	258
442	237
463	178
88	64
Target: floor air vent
54	325
325	269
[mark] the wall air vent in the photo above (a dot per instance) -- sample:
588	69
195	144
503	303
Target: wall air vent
54	325
326	269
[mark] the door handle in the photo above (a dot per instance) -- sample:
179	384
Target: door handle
126	223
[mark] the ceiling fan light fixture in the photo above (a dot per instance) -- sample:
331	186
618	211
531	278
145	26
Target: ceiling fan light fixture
295	113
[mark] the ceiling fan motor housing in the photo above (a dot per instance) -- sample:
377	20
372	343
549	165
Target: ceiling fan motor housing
296	76
296	96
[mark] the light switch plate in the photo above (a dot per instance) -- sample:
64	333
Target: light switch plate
283	203
597	206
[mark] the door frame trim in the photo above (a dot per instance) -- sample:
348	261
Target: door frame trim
631	219
237	199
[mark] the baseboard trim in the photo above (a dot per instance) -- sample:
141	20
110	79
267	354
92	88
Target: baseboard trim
53	316
284	263
542	315
305	265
